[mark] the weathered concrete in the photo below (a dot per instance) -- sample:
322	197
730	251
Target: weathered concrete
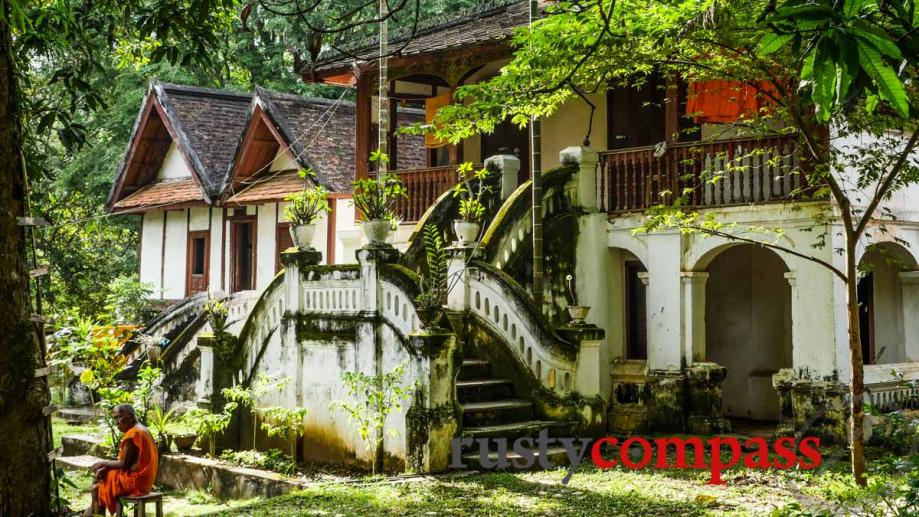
812	407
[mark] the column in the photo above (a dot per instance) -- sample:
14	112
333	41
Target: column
694	316
663	299
431	421
909	283
585	184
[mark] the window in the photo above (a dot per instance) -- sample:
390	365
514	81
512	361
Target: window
197	267
284	241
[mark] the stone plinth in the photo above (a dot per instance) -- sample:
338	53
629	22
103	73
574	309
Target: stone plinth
811	407
704	397
433	418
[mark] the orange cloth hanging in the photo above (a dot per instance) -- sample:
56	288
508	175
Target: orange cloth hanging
431	105
725	102
137	481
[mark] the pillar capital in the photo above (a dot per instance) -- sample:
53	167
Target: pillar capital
509	166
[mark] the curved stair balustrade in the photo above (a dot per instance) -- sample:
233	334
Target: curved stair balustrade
499	302
261	323
507	234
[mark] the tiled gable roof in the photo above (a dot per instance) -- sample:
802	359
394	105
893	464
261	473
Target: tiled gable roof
492	21
211	120
320	133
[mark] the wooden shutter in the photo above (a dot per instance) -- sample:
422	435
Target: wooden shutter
284	241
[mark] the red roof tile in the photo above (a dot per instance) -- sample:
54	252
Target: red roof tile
270	187
163	193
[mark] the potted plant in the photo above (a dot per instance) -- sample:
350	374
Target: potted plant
577	312
470	190
217	314
374	199
304	209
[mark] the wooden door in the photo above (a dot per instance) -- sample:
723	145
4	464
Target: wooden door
198	263
636	116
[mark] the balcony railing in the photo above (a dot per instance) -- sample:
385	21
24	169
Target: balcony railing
424	186
722	173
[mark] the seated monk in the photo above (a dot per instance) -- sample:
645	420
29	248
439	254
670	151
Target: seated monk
132	473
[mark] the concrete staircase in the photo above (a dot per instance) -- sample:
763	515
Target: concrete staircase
492	409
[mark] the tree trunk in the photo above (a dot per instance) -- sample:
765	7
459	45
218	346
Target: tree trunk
25	478
857	382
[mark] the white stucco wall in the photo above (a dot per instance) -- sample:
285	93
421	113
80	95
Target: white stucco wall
174	165
265	244
568	126
151	251
283	160
215	273
175	254
346	231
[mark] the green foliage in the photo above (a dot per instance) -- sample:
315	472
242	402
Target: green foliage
207	425
217	314
162	423
128	299
147	378
431	300
285	423
272	459
471	189
248	397
309	204
374	197
371	400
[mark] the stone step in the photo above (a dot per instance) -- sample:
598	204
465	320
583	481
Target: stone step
514	430
478	390
77	415
556	455
82	444
474	369
81	462
480	414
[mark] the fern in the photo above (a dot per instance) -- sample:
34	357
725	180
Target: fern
430	302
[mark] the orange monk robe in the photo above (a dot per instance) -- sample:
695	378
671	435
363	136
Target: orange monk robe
136	481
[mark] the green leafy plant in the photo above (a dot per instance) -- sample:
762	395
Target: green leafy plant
217	315
162	423
285	423
431	300
309	204
374	197
207	425
147	378
471	190
129	299
372	398
248	397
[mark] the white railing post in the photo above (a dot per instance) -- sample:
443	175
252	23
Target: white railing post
585	183
509	165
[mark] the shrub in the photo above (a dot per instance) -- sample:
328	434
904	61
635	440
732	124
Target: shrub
307	205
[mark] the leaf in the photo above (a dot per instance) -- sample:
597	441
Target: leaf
772	42
873	35
889	85
803	12
824	85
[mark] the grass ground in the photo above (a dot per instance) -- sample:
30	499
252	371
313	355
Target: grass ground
826	491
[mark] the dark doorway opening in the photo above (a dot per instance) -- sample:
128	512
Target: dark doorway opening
197	267
636	311
507	138
865	293
243	255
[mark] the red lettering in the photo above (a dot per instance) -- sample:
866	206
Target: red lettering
597	457
785	448
810	452
645	455
714	445
761	454
679	445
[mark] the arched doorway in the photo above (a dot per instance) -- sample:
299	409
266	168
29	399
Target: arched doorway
880	299
748	328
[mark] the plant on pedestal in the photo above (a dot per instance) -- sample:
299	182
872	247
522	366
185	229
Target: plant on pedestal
374	199
470	190
431	300
305	208
577	312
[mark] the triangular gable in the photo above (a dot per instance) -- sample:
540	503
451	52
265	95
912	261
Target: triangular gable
155	130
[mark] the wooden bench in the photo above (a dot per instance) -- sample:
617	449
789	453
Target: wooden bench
140	504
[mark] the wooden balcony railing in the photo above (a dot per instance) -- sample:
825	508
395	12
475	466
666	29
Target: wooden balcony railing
722	173
424	186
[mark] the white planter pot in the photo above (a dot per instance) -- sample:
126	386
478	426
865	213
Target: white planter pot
465	231
578	313
376	230
302	234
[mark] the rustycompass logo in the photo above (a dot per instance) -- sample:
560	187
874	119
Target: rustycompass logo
636	452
